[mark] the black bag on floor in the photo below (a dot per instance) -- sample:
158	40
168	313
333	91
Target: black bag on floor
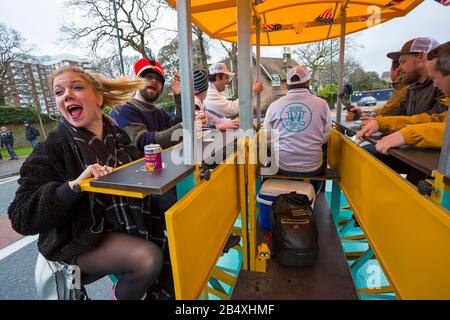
294	231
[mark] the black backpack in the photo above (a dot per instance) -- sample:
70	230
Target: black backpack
294	231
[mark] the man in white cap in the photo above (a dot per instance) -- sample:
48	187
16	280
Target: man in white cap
219	77
200	91
303	123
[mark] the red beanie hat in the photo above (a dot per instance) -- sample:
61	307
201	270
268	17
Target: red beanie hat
152	66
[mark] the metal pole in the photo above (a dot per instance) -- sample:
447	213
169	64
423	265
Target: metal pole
244	64
258	70
187	81
118	38
444	160
341	63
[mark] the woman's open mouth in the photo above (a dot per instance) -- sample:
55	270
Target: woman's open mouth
75	111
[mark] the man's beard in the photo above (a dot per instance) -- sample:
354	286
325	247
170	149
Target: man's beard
148	96
411	77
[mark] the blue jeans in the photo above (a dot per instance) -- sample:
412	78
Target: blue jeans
317	184
34	143
11	152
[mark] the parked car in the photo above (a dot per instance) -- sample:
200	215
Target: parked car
367	101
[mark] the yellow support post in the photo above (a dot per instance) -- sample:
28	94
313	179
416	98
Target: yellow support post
243	203
251	187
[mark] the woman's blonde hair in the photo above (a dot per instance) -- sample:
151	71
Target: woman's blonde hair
114	91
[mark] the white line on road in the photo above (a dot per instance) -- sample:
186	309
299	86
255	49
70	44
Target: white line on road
9	179
16	246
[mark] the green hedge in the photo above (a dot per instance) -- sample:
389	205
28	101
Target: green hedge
16	115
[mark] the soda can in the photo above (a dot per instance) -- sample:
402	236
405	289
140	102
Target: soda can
153	161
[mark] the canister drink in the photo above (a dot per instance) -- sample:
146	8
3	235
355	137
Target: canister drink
153	160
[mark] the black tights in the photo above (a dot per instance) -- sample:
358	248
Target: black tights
137	263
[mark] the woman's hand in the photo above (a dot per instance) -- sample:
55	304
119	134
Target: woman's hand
95	170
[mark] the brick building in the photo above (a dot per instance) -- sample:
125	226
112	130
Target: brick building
27	80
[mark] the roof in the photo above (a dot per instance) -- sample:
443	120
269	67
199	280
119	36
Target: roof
276	65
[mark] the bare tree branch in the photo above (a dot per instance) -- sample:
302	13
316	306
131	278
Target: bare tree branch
12	47
316	55
96	29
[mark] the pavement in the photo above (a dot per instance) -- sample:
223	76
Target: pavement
9	168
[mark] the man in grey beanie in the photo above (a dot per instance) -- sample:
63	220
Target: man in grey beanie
200	90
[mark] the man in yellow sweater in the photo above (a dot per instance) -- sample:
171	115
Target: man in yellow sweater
422	130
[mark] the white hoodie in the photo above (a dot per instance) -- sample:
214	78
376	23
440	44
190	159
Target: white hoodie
218	104
303	123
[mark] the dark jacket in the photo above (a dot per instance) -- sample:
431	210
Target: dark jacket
146	124
31	133
420	98
45	205
7	138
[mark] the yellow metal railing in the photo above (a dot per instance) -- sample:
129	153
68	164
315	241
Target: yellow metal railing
409	233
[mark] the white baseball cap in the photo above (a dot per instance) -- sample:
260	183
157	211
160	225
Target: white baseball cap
219	68
299	71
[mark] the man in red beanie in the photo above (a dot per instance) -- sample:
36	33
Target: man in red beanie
140	118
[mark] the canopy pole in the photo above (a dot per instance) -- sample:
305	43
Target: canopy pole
244	64
341	62
187	82
444	160
258	70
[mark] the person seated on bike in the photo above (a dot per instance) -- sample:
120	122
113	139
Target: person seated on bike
100	233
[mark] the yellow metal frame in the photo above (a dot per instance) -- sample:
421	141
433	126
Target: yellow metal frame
242	145
85	185
198	229
409	233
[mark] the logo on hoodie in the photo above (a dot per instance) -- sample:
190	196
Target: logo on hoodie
296	117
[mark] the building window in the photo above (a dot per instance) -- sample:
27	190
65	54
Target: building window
276	81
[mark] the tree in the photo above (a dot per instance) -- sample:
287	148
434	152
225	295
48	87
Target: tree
232	52
328	73
329	93
136	21
201	47
110	66
11	47
168	54
363	81
317	55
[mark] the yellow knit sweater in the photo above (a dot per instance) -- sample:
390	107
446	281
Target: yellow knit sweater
422	130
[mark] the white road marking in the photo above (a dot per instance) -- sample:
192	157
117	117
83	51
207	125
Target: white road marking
16	246
6	180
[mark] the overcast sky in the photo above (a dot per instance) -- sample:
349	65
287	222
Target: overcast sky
38	22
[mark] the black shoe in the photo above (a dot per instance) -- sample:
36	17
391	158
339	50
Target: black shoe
232	241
